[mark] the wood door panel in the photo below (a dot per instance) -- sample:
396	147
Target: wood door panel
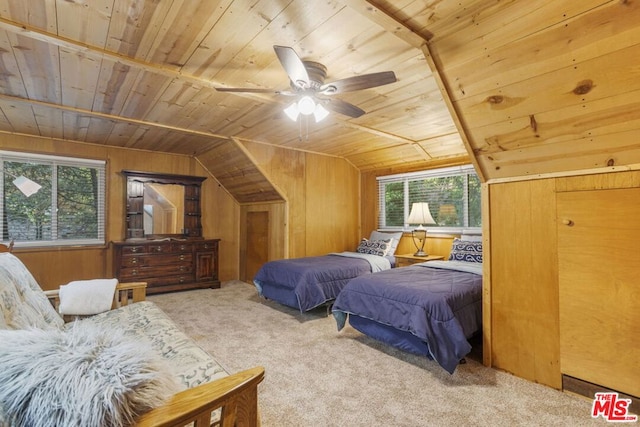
599	267
257	242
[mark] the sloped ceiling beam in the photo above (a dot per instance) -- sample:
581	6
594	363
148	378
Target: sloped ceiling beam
169	72
99	53
381	17
110	116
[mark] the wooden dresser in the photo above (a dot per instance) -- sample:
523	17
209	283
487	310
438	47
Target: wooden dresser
172	265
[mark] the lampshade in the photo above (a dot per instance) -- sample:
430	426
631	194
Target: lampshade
420	214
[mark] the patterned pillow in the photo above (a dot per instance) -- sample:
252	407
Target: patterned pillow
465	250
379	235
375	247
22	303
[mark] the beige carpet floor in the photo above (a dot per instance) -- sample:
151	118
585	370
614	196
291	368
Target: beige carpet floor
317	376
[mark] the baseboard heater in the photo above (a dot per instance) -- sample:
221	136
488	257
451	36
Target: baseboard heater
587	389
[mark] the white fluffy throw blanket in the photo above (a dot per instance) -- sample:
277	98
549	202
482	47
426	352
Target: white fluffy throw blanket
82	376
82	297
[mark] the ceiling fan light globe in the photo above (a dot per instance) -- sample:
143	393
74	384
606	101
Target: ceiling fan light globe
292	111
306	105
320	113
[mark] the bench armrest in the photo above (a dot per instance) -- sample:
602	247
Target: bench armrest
138	291
236	394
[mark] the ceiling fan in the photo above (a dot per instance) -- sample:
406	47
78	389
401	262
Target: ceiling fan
306	79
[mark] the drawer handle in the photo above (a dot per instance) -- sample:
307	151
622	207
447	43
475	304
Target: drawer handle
134	272
134	250
183	248
158	249
181	257
134	260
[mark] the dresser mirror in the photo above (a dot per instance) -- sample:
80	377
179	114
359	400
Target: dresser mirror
162	205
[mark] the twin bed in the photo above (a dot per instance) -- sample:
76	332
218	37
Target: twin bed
430	309
307	283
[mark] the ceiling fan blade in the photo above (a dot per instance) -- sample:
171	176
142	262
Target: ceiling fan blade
364	81
339	106
293	65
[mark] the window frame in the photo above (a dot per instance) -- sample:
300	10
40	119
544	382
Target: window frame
405	178
55	162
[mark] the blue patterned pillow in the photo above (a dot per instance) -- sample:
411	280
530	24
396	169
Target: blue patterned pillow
465	250
375	247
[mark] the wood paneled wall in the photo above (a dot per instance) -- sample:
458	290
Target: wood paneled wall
322	194
276	234
436	244
58	266
523	287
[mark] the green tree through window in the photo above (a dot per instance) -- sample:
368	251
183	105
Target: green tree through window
68	209
453	195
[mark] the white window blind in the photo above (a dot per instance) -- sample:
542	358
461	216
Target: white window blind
453	195
68	209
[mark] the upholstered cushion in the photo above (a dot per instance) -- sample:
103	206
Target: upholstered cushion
84	375
22	301
374	247
396	236
463	250
191	365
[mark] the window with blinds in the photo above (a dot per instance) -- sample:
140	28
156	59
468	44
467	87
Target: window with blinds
453	195
51	200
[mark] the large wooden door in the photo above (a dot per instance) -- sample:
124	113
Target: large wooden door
257	243
599	284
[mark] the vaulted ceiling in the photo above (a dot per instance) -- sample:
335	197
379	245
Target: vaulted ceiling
519	88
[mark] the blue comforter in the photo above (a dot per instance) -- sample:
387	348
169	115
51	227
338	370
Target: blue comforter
437	301
309	282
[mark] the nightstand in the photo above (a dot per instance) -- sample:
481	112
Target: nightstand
406	260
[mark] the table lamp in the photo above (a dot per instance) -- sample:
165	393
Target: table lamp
420	214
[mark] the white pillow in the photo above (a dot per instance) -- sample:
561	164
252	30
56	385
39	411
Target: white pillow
378	235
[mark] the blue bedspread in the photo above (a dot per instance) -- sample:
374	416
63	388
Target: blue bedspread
440	306
309	282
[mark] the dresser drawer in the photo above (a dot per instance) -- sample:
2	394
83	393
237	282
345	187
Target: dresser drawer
156	260
168	265
206	246
181	247
159	248
134	249
159	282
138	272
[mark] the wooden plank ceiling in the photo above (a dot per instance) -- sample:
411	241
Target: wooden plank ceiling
524	87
